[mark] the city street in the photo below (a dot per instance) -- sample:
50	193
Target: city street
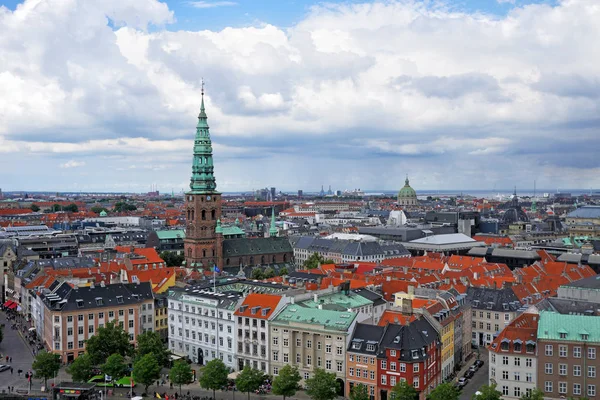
13	345
479	379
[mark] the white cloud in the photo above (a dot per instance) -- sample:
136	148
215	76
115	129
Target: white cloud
72	164
212	4
406	80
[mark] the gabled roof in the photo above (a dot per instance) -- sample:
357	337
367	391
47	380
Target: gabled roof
522	329
257	305
366	338
257	246
577	328
409	339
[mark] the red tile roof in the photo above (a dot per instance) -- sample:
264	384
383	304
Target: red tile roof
263	301
522	328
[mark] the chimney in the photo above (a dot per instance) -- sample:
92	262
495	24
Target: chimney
320	306
292	300
406	305
316	298
411	291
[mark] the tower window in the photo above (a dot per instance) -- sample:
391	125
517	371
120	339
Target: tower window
203	214
213	214
203	253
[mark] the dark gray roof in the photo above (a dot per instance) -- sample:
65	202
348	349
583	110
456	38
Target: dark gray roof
566	306
593	282
67	298
347	247
258	246
410	340
493	299
395	249
370	295
366	334
67	262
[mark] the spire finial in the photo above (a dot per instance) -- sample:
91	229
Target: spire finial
202	91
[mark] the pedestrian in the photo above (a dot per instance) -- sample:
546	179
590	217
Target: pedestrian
157	383
19	371
10	358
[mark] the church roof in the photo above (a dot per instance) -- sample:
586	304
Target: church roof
407	191
258	246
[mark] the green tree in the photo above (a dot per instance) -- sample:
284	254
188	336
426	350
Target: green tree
249	380
151	342
286	383
444	391
180	374
214	375
315	259
98	209
322	386
146	370
81	369
257	274
71	207
268	273
489	392
35	208
46	365
359	392
535	394
124	206
56	207
172	259
108	340
404	391
283	271
115	367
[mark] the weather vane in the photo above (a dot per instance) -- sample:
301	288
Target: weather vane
202	86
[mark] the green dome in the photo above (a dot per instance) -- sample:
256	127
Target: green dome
103	213
407	191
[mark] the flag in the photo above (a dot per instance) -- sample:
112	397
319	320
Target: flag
107	378
216	269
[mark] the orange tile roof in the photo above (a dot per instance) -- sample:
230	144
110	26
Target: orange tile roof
395	317
522	328
263	301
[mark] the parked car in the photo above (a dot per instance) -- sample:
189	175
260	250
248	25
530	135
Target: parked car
473	368
479	363
4	367
123	382
469	374
462	382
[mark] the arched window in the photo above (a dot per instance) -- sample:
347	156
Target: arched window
203	215
285	258
274	260
189	253
213	214
262	259
193	215
203	253
227	261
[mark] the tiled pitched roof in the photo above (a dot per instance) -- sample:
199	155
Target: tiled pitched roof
521	330
257	305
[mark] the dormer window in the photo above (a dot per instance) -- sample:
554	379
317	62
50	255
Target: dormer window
370	347
99	301
563	335
254	310
585	336
79	303
356	345
414	354
120	299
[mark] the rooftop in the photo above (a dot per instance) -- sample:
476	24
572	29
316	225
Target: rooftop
337	301
591	212
577	328
329	319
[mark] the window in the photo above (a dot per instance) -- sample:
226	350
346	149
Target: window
562	351
80	317
298	358
591	371
392	366
517	361
517	392
528	377
111	314
131	323
384	379
328	365
275	371
69	331
517	376
496	316
91	329
340	368
528	362
402	367
275	340
548	368
591	356
562	387
275	356
318	345
286	358
549	350
504	360
309	344
562	369
306	376
383	364
351	371
80	330
372	377
548	387
80	344
505	375
298	342
577	388
576	370
504	390
493	358
576	352
70	318
339	350
328	348
393	353
90	316
415	367
70	345
493	372
392	380
591	390
286	342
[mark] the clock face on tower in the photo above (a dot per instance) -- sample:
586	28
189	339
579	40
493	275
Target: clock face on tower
207	198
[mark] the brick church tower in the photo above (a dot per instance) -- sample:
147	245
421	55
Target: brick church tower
203	237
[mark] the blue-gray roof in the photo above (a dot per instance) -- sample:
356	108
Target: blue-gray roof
585	212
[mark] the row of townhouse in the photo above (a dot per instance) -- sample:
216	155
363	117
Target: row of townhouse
555	353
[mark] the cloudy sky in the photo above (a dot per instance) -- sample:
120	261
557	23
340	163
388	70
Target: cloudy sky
102	95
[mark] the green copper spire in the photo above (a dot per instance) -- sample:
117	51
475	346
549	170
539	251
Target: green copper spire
273	229
218	229
203	180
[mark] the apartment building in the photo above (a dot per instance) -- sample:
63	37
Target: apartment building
310	338
161	317
361	358
410	353
513	357
491	311
253	339
568	360
202	325
72	315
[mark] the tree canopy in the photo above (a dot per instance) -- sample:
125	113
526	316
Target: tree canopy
46	365
404	391
180	374
98	209
110	339
81	368
172	259
146	370
535	394
257	274
322	386
151	342
214	375
489	392
124	206
444	391
249	380
71	207
286	383
315	259
115	366
359	392
35	208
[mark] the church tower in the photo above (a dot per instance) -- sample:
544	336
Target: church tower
203	237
